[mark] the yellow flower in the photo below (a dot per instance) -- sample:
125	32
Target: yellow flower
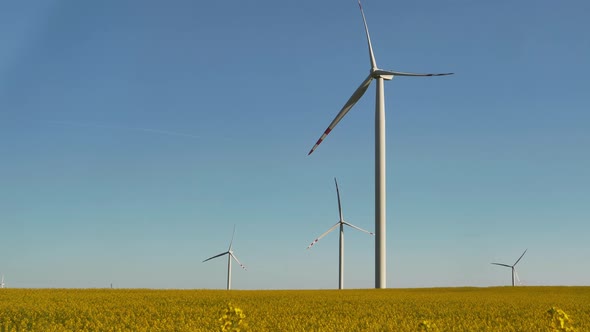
559	320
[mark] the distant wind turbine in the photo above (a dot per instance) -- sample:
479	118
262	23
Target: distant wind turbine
514	274
340	223
380	217
231	255
2	284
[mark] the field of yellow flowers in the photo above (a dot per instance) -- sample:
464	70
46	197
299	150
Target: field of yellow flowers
434	309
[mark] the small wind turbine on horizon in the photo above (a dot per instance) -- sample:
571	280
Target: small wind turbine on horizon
2	284
380	193
231	255
514	274
340	223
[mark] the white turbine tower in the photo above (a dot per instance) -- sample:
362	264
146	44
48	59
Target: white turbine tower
230	255
340	223
380	220
514	274
2	284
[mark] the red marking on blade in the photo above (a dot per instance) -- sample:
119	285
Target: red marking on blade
327	131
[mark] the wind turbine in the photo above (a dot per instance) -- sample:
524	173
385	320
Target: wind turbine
230	255
512	266
340	223
2	284
380	218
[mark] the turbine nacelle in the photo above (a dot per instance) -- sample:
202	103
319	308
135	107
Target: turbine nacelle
388	74
378	73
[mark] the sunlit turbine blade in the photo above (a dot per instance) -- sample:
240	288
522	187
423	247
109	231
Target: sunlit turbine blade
399	73
502	265
351	101
520	257
339	206
517	278
232	238
236	259
321	236
210	258
358	228
371	54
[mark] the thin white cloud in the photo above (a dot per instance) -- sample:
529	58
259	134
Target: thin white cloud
117	127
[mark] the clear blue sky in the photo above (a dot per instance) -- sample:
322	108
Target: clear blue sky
135	134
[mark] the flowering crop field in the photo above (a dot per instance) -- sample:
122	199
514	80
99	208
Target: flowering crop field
433	309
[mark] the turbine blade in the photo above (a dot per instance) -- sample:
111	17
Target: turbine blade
210	258
351	101
520	257
232	238
242	265
371	54
339	206
399	73
502	265
517	278
357	228
321	236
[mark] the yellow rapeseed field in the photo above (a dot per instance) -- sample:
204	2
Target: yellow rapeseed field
435	309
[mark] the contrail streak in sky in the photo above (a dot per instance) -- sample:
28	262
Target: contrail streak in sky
101	126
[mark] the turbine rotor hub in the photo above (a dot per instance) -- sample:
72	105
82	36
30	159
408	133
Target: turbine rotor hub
378	73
